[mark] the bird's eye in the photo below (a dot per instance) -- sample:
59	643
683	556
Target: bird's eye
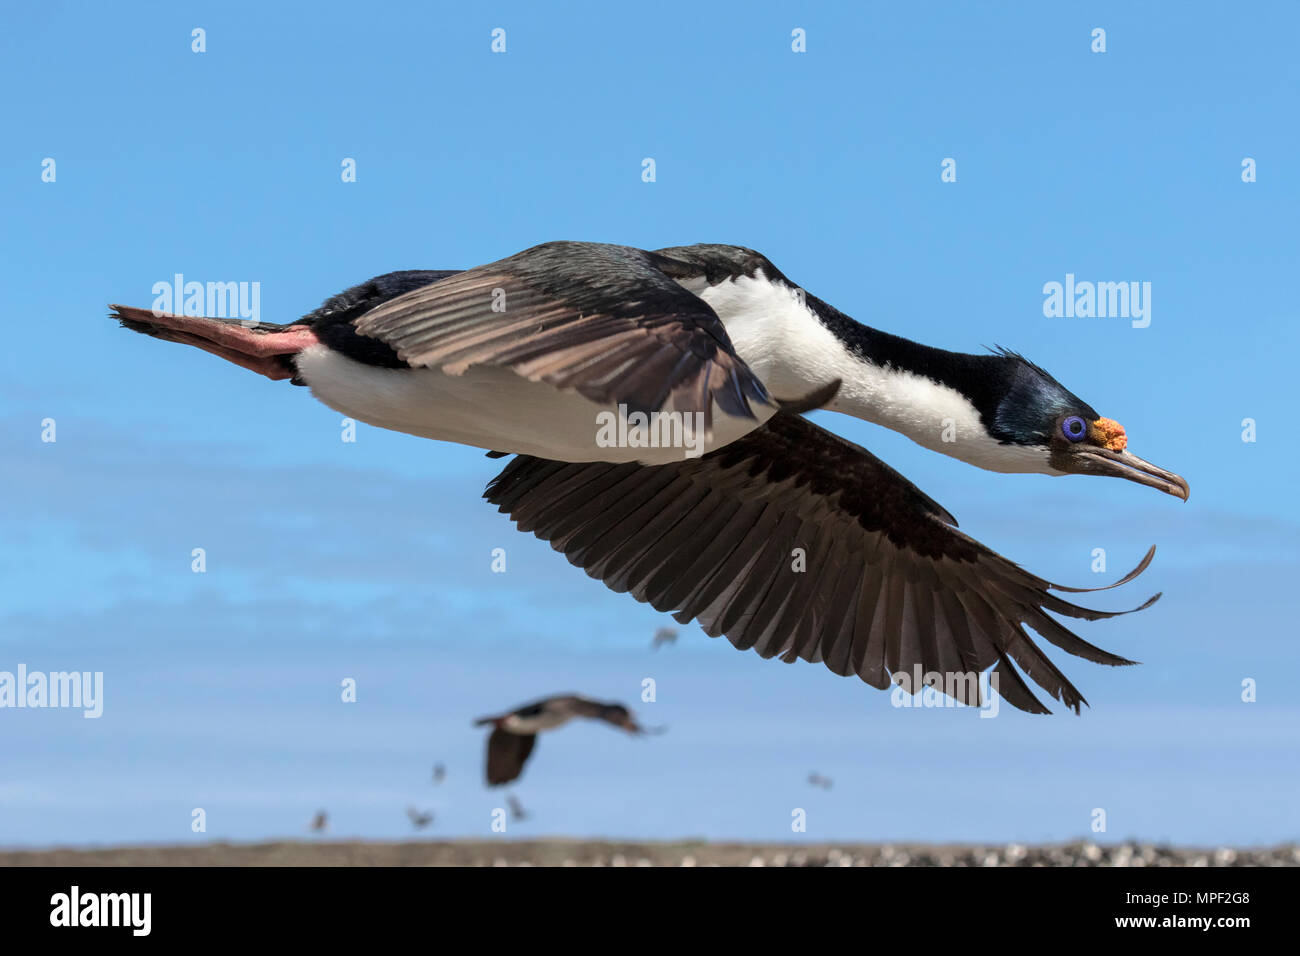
1074	428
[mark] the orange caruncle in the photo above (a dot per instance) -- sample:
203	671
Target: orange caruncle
1109	434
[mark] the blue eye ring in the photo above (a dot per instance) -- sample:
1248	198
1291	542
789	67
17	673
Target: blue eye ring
1074	428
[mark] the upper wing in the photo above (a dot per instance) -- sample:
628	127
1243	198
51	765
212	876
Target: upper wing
882	582
605	320
506	754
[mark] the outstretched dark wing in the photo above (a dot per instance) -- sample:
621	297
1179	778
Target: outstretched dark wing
506	755
799	544
607	321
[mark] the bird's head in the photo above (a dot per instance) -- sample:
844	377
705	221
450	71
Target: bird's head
1037	416
620	716
1099	446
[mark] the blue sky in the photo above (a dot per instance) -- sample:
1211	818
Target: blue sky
371	560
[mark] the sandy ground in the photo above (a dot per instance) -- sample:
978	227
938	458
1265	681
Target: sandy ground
560	852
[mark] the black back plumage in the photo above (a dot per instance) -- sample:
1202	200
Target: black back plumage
335	321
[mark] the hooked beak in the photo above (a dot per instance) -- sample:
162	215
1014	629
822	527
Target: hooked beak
1088	459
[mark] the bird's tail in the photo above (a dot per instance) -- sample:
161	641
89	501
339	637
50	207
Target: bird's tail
262	347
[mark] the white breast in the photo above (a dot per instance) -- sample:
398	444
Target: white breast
547	720
496	409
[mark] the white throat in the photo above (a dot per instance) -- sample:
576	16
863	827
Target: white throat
782	340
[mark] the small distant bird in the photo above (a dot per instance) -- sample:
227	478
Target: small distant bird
665	635
419	820
516	808
439	773
515	733
817	780
319	822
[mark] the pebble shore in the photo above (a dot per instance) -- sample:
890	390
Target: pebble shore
561	852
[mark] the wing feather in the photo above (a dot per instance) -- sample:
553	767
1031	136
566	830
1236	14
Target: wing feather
607	321
886	585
